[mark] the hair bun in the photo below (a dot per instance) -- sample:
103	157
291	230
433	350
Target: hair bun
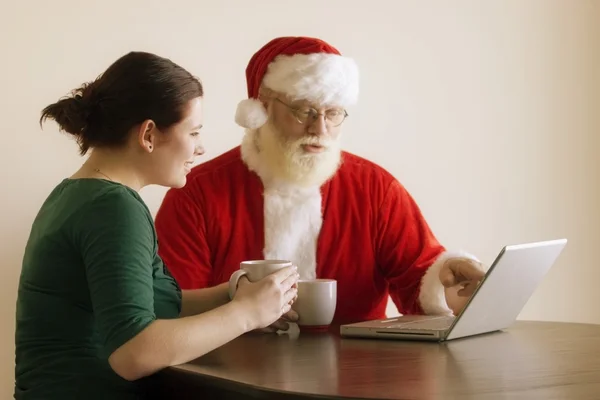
70	113
82	106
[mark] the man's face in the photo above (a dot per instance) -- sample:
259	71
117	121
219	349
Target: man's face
301	140
305	122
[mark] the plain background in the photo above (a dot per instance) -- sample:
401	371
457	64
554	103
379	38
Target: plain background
487	111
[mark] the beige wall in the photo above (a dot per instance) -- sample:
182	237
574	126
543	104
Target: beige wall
484	110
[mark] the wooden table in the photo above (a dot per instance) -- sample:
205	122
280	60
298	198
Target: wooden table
531	360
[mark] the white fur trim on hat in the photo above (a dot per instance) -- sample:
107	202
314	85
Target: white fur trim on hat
322	78
251	114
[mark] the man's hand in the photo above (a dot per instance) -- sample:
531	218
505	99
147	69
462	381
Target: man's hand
460	276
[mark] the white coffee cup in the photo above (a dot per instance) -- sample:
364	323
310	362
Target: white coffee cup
316	303
255	270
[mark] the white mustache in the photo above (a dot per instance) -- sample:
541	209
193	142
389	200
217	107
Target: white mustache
314	141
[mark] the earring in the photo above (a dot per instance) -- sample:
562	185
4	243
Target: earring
150	147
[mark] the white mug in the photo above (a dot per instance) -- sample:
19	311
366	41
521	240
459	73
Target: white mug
255	270
316	303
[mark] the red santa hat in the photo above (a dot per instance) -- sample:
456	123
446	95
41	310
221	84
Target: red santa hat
301	68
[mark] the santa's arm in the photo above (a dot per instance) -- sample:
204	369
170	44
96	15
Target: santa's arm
411	258
182	245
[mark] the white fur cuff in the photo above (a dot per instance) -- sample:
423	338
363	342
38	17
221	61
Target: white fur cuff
432	296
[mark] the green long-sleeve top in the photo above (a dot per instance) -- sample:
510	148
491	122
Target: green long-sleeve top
91	280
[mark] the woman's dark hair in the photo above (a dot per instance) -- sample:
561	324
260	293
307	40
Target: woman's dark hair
136	87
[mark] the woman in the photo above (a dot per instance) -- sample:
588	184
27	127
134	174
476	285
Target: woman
97	312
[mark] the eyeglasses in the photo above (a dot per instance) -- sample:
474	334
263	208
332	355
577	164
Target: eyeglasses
333	117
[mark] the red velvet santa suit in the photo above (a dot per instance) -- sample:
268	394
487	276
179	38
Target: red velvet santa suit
361	227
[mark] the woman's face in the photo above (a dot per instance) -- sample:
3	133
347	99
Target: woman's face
177	148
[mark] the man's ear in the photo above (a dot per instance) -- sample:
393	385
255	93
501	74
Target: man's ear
147	135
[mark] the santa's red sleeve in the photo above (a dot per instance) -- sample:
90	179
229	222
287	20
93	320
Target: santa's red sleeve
182	242
410	256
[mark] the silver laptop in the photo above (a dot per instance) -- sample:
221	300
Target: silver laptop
507	286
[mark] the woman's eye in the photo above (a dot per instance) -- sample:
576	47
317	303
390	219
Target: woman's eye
195	134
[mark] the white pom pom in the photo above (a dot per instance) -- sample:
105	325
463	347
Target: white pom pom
251	114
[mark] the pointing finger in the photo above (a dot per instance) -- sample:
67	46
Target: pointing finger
466	269
474	272
468	289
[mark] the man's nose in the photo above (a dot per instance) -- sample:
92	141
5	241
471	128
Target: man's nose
318	126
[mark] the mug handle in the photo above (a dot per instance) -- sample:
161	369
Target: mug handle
233	282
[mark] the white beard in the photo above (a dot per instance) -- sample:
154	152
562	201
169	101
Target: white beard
283	162
292	198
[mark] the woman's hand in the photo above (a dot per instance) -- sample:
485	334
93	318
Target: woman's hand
268	299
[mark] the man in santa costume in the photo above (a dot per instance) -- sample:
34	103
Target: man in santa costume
289	192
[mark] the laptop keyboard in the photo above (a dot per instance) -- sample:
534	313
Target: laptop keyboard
433	323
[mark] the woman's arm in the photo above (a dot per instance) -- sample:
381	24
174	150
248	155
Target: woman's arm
199	301
170	342
115	237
